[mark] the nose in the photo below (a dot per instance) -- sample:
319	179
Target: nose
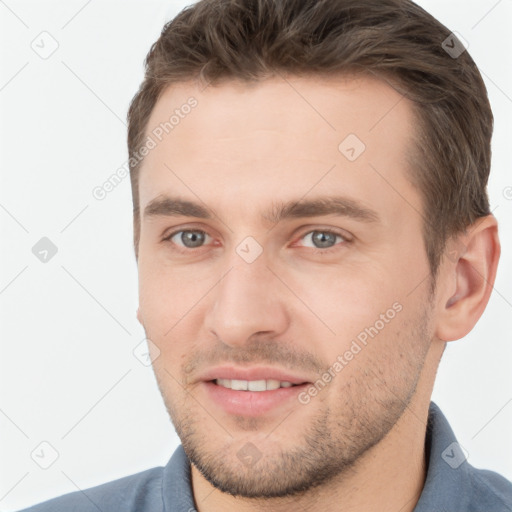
249	300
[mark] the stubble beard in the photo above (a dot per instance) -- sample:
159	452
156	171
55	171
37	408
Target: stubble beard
330	445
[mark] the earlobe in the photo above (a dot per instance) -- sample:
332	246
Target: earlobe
470	267
139	317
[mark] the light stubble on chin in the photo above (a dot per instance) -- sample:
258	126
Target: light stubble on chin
331	442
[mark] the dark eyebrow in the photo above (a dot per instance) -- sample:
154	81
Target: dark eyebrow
166	206
330	205
340	206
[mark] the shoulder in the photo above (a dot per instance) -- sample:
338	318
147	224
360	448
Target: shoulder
491	491
135	493
452	483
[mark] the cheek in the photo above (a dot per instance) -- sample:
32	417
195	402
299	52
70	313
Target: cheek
166	294
349	299
168	301
383	360
371	316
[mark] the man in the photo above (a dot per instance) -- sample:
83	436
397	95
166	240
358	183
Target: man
311	228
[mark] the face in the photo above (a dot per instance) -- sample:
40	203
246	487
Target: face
281	244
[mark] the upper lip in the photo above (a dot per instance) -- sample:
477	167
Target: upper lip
253	373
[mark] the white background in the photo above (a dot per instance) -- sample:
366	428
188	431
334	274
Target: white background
68	328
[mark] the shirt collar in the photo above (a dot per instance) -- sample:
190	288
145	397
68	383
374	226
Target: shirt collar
448	482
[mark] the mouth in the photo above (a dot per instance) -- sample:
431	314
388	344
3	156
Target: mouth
254	385
251	391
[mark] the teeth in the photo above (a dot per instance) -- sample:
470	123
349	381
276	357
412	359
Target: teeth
257	385
272	384
239	385
253	385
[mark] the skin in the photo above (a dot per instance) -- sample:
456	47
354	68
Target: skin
359	443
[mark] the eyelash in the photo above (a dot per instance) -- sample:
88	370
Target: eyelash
317	250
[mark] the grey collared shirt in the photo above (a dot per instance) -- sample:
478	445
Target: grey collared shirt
451	485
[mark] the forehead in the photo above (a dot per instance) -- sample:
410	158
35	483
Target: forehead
282	138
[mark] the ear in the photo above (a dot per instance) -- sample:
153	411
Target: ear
469	274
139	317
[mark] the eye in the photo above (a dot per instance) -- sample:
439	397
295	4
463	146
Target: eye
188	238
323	240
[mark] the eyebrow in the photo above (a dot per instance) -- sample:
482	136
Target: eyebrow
166	206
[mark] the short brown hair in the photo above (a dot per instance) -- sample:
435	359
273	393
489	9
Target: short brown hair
396	40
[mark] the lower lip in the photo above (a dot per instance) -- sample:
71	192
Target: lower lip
251	403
